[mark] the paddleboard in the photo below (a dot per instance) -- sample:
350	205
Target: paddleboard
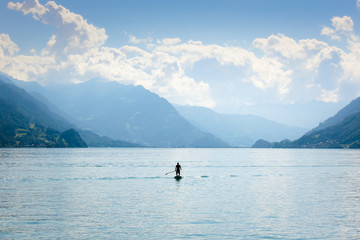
178	177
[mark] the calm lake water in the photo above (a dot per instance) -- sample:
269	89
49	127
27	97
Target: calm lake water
225	194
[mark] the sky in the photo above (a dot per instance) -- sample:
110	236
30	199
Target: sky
222	54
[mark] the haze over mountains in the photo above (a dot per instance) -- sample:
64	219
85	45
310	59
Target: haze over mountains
300	114
108	113
123	113
236	129
340	131
352	108
26	122
137	115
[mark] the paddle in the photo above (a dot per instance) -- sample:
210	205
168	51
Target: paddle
169	172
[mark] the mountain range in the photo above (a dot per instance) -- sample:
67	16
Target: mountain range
101	113
340	131
123	113
236	129
352	108
25	122
304	114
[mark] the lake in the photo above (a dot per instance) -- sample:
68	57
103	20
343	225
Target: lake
121	193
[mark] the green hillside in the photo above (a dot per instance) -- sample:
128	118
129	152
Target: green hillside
352	108
345	134
32	109
37	109
26	122
17	131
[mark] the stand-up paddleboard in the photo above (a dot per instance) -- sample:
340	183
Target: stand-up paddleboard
178	177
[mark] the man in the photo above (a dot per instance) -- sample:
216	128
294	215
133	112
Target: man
177	169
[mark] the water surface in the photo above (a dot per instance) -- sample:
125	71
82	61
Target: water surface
117	193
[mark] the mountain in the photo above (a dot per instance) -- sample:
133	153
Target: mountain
94	140
306	115
346	134
36	108
30	108
238	130
26	122
350	109
339	133
127	113
17	131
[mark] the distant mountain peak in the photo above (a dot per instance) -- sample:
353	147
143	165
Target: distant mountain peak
127	113
237	129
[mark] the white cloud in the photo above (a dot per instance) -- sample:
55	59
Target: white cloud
326	31
169	41
280	44
77	48
263	73
76	52
135	40
269	73
329	96
7	47
29	6
307	52
350	62
74	34
358	3
19	66
343	24
310	62
350	59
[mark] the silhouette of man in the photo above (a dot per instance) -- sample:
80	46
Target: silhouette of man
177	169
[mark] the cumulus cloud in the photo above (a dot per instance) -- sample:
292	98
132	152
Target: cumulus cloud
314	66
350	62
329	96
280	44
343	23
263	73
269	73
305	54
350	59
20	66
7	47
169	41
29	7
74	34
133	39
309	52
77	52
326	31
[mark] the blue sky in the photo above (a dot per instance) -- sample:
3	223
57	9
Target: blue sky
221	22
226	55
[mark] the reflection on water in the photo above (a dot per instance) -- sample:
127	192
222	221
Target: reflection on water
225	193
